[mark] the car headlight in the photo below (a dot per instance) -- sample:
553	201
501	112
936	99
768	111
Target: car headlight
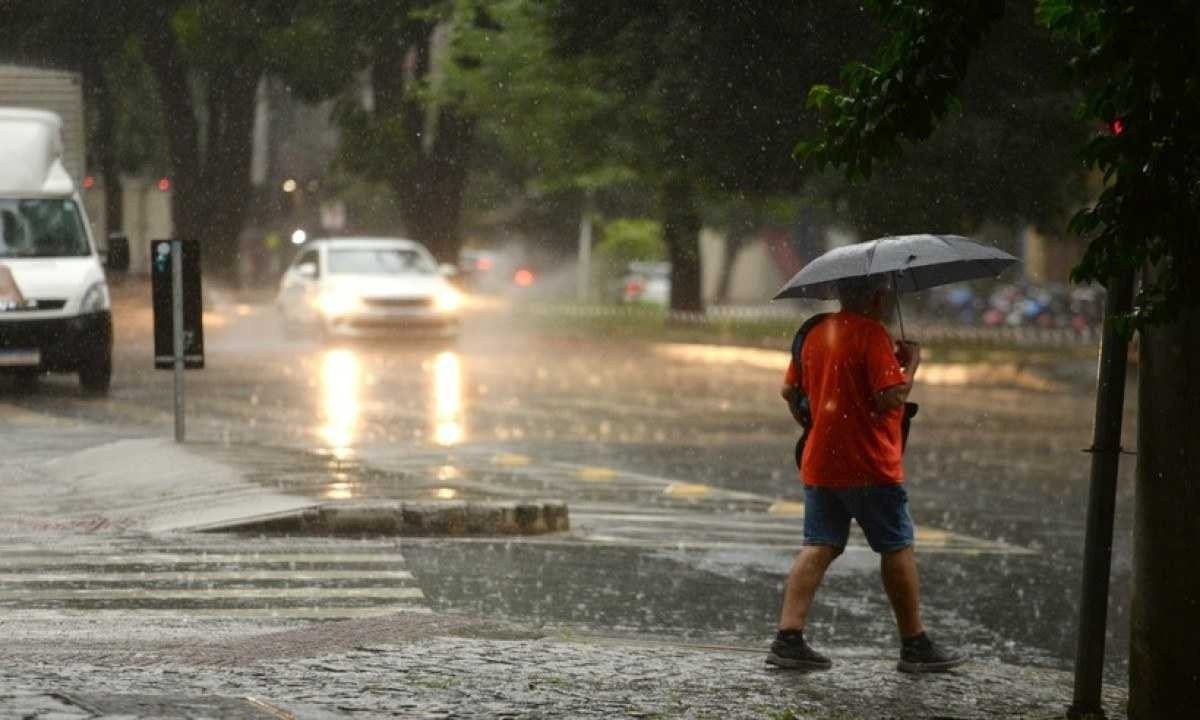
338	303
447	299
95	299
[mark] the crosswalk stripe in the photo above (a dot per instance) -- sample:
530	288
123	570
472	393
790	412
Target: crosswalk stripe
289	613
217	576
78	558
209	576
694	530
239	593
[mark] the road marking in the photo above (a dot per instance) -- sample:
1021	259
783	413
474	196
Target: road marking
297	613
595	474
713	517
85	558
193	577
687	490
511	460
197	576
786	508
604	540
237	593
699	530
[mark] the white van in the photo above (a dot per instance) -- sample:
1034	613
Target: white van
54	304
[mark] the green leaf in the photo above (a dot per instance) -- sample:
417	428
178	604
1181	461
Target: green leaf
819	97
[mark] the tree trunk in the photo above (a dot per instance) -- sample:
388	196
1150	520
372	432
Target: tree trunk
226	175
1164	648
210	174
681	231
430	180
179	123
434	188
106	146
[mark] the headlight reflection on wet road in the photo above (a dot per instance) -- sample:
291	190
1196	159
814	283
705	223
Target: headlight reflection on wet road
341	381
447	399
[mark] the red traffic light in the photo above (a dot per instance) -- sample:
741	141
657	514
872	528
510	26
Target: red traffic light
523	278
164	184
1116	126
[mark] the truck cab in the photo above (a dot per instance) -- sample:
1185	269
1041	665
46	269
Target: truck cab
55	312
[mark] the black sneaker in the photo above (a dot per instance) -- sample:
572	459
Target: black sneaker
922	655
790	651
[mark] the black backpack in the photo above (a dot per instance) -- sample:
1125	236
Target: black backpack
802	410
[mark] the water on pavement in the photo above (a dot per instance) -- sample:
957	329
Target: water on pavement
676	462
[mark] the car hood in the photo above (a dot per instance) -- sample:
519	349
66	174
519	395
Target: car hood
50	278
387	286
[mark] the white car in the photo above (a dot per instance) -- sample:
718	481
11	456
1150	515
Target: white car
647	282
368	287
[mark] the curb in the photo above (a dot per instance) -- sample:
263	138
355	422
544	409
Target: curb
408	519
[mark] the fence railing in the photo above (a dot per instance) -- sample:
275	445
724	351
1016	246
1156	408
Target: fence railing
927	330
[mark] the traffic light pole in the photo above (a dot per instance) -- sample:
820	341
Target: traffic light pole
1102	502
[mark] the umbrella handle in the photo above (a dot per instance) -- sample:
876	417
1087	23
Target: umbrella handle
899	311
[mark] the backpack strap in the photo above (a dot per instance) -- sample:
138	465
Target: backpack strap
800	407
798	340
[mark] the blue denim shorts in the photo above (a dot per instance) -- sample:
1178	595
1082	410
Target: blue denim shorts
881	511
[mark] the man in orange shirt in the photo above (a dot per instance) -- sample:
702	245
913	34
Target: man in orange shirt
857	382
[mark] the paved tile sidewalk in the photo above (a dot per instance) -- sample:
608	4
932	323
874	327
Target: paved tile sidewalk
459	668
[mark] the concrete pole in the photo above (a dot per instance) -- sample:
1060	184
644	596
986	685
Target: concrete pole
583	268
177	333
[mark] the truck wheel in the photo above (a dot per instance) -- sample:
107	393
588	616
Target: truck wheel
96	378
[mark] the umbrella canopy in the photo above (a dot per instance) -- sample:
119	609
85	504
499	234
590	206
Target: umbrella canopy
915	262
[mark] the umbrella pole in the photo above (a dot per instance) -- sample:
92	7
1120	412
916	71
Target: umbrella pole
899	312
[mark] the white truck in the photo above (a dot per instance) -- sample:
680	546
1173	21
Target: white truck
55	312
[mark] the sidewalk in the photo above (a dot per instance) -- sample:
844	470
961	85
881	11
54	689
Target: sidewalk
457	667
154	485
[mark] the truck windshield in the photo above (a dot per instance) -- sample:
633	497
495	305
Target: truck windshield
33	228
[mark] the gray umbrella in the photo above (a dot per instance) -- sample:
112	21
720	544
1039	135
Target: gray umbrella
915	262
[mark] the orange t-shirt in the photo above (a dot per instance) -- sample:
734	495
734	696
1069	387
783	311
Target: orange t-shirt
847	360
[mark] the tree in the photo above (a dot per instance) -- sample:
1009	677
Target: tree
707	99
692	102
384	61
96	43
1005	153
208	58
1137	65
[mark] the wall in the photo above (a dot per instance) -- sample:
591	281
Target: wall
756	277
1049	259
147	217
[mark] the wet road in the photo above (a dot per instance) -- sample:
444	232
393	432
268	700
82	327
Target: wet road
676	461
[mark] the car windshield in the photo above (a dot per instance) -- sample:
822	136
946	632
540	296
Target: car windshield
381	261
41	228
